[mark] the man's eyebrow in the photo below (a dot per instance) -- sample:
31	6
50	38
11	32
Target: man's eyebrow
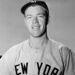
41	13
28	15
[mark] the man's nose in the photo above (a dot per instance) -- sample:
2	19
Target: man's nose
35	20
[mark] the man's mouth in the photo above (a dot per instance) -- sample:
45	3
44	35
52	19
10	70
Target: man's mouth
36	27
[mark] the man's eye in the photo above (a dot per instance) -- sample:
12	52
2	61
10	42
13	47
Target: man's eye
29	17
41	16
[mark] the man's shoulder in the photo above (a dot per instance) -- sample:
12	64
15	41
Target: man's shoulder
17	47
12	53
14	50
56	44
60	46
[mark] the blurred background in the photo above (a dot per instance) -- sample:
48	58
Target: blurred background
61	26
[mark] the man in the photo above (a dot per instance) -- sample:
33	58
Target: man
38	55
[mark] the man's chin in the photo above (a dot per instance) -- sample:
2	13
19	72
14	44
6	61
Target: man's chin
38	35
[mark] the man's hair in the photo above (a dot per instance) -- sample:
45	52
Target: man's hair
35	3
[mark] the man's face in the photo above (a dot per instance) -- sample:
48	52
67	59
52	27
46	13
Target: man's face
35	20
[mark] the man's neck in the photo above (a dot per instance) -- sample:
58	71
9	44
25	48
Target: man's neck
38	42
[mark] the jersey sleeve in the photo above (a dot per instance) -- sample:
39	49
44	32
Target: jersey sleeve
68	58
9	59
4	67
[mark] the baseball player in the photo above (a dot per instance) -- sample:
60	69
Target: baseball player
38	55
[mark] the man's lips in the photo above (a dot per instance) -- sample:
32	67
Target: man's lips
36	27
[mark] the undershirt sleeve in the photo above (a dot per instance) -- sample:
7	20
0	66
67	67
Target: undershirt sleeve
69	61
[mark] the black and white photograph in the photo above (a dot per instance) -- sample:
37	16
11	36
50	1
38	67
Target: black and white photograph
37	37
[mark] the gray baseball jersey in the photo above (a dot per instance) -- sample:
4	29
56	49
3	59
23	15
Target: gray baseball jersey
55	59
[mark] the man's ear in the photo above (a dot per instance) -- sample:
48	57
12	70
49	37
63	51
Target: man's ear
24	20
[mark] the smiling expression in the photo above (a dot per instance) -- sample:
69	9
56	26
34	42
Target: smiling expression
35	20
